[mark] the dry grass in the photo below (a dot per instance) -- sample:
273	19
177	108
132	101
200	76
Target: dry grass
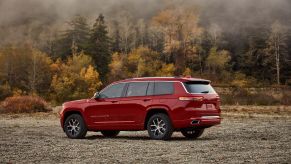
253	96
24	104
256	111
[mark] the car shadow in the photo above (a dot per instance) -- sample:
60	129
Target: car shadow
94	137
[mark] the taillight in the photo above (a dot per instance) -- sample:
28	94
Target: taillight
191	98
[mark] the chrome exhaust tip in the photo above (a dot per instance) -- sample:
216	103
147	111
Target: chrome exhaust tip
193	122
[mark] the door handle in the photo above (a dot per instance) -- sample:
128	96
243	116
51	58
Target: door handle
148	99
114	101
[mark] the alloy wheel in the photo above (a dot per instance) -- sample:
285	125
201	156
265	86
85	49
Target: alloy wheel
73	127
158	127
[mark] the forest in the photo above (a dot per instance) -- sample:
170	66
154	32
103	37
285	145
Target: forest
66	50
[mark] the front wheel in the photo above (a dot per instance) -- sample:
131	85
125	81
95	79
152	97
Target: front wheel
110	133
75	127
194	133
160	127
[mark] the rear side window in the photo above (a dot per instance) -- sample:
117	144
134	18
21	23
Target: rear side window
150	90
163	88
199	87
137	89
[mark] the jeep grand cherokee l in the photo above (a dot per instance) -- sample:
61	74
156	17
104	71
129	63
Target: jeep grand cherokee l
160	105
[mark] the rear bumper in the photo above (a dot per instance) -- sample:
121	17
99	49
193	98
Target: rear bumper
203	121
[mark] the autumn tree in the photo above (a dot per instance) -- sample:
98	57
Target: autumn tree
167	70
179	26
116	67
217	60
25	69
138	63
74	79
39	74
142	62
100	46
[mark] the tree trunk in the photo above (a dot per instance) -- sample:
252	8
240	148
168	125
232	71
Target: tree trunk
200	63
278	63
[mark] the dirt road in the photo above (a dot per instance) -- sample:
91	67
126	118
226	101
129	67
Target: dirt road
39	138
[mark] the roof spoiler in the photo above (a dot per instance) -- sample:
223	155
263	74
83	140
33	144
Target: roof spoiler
198	81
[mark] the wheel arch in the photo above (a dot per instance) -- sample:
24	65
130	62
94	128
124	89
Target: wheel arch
71	111
155	110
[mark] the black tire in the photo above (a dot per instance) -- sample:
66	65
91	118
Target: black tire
75	127
110	133
160	127
193	133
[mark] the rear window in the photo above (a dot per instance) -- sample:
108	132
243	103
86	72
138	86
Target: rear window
163	88
199	87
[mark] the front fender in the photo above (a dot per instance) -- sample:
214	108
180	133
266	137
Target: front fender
68	111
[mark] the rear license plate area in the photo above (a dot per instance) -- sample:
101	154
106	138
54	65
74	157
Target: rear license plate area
209	106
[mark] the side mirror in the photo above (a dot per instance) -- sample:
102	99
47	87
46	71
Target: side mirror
96	95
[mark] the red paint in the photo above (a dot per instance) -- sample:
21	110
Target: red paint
129	113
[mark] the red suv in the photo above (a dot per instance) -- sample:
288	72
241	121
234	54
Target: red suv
160	105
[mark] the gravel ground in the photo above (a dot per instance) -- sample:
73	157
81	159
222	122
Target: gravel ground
39	139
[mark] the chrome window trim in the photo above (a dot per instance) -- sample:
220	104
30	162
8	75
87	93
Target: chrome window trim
156	81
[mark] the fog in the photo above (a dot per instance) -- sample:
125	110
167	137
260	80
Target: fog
20	17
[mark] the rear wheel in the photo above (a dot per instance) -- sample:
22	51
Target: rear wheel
193	133
110	133
75	127
160	127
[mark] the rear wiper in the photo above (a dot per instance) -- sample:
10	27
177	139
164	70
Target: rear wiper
205	92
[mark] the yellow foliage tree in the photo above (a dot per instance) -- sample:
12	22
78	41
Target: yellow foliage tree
167	70
217	61
142	62
91	77
187	72
75	79
179	26
116	68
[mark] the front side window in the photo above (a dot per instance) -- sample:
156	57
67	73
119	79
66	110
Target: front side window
113	91
137	89
164	88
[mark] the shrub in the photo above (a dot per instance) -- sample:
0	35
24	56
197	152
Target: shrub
286	98
24	104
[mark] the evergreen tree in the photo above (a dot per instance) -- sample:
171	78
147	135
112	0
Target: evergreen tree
100	46
75	39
